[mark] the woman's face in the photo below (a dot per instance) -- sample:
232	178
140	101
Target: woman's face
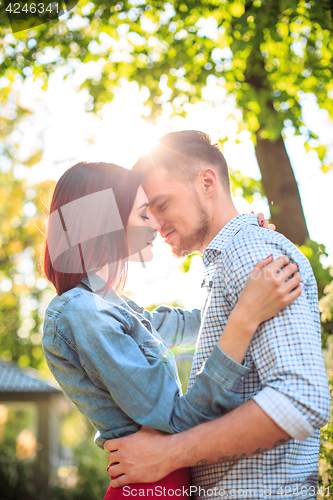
142	229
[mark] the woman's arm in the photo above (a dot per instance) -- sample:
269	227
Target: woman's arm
265	293
142	383
175	325
139	374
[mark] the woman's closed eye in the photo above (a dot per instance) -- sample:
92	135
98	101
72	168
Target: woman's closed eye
144	217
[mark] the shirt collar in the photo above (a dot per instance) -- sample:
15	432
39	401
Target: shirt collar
227	232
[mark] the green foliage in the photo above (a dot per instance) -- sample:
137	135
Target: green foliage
18	420
267	54
93	477
246	187
326	454
326	303
264	55
22	209
85	479
90	479
186	264
15	477
184	358
314	252
23	299
326	448
326	310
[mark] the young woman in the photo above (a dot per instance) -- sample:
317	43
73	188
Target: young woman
110	356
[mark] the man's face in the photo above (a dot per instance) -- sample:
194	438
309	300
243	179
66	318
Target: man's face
177	207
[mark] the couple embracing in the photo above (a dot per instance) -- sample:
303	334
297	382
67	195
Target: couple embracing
249	423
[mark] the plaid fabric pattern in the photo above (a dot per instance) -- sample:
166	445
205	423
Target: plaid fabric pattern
287	377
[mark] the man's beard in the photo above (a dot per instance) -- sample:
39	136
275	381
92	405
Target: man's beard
194	241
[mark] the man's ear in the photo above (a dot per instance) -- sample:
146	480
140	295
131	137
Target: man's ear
208	181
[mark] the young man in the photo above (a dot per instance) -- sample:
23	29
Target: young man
269	445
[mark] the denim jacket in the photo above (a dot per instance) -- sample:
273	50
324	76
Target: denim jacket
111	359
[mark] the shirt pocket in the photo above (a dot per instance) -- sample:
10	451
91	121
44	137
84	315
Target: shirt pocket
155	349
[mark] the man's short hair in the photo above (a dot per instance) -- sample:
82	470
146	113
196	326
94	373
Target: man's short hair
184	154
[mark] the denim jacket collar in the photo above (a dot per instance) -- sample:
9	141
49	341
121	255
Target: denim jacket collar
95	282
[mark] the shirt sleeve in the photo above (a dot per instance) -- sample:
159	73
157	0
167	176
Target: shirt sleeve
176	325
286	350
140	379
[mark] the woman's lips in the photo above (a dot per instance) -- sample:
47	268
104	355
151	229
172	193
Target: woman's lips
150	242
167	239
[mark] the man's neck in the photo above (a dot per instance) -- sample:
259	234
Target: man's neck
218	221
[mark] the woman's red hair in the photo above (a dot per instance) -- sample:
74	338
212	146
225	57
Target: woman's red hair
77	182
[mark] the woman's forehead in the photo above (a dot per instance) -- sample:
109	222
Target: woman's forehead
141	198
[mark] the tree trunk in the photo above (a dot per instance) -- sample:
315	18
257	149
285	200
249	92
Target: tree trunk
281	190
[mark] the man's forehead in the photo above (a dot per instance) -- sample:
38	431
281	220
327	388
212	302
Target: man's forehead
160	183
157	174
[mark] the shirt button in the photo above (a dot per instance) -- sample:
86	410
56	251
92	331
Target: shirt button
242	378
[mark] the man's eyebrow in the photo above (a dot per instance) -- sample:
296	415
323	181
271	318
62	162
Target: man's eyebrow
155	200
144	205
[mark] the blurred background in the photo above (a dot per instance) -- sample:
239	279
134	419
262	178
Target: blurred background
102	83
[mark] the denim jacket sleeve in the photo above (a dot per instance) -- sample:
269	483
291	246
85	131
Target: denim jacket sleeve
138	376
175	324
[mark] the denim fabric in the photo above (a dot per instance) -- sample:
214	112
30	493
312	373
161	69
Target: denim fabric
109	357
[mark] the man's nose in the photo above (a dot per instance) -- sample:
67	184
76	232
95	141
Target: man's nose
155	223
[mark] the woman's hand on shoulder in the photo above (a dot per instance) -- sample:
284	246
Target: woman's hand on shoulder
264	222
272	286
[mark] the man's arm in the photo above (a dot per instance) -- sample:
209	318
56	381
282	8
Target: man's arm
293	401
286	350
149	455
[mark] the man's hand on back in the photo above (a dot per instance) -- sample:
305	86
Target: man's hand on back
141	457
150	455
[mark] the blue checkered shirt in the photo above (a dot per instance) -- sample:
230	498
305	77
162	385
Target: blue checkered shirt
286	377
